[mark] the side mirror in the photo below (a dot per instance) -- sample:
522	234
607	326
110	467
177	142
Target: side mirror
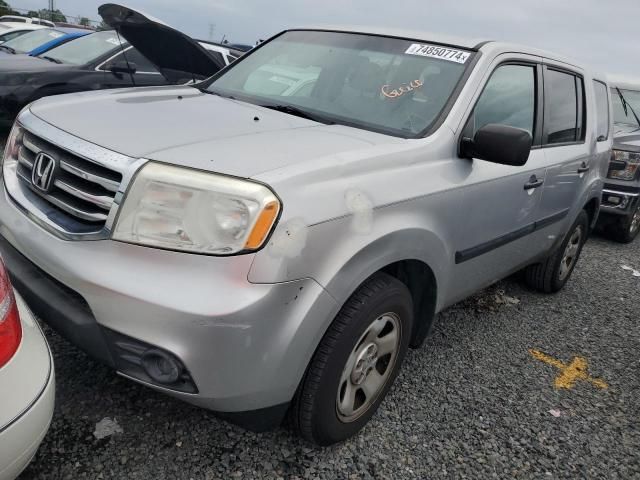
122	67
498	144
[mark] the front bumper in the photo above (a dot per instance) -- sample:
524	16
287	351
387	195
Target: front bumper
28	408
245	346
619	199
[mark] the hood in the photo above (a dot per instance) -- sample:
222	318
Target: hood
184	126
22	63
629	141
172	52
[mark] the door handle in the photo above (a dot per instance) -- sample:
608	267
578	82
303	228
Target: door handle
533	183
583	168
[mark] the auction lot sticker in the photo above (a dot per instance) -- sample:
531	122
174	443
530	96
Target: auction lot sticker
435	51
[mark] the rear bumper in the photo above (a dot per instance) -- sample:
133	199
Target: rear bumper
244	346
30	376
21	440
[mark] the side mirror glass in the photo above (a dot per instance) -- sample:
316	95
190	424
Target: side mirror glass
498	144
122	67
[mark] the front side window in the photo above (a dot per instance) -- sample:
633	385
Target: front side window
602	110
396	86
564	107
509	98
623	111
132	56
85	49
27	42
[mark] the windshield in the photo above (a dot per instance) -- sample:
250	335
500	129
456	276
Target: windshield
29	41
85	49
632	98
378	83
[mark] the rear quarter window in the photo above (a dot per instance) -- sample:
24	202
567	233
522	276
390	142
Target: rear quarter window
602	110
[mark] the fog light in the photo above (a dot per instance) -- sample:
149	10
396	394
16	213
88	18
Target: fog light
161	366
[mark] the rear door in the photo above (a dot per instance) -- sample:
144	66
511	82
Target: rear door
568	155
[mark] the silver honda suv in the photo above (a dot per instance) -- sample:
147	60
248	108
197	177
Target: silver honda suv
274	239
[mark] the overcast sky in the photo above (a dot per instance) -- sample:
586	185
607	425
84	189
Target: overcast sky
602	33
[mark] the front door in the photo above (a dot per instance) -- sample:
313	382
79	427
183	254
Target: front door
145	74
501	202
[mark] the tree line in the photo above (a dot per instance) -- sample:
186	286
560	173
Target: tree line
53	15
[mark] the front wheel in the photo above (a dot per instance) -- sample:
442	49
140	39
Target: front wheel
626	229
355	363
552	274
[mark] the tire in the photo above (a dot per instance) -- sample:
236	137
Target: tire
625	229
550	275
344	357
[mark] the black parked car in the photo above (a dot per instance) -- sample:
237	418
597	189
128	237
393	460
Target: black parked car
620	212
147	53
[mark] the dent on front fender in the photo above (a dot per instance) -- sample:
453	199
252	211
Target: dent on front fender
341	254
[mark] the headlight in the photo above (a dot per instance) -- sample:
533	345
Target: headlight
13	142
193	211
624	165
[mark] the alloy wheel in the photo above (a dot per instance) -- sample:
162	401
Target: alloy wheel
571	252
368	367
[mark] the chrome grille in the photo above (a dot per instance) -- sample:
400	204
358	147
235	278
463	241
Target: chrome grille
82	190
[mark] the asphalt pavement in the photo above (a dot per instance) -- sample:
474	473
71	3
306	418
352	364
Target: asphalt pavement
510	384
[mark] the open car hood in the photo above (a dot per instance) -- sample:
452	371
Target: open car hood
174	54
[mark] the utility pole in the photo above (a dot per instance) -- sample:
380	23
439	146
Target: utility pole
52	7
212	28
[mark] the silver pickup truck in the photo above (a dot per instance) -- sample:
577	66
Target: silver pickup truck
256	248
620	215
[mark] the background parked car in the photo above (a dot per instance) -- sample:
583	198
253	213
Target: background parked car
620	215
9	30
223	53
105	60
39	41
20	19
26	382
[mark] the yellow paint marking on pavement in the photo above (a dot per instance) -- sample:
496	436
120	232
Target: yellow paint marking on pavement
570	373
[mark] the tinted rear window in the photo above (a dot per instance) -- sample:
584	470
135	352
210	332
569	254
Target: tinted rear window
563	106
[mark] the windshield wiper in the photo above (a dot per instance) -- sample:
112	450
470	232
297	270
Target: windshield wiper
298	112
211	92
51	59
626	106
8	49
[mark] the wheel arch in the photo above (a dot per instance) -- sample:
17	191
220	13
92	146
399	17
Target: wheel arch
421	282
592	207
418	258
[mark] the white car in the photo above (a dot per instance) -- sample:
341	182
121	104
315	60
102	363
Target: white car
228	55
11	30
19	19
26	381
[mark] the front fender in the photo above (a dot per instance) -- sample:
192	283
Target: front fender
340	258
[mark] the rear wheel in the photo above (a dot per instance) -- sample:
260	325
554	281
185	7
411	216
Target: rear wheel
552	274
626	229
355	363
